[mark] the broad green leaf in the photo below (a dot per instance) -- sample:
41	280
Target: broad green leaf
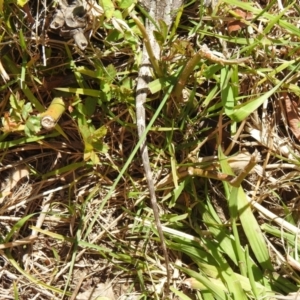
214	225
111	72
92	156
155	86
176	218
159	38
26	110
90	106
32	126
225	271
163	29
15	103
99	133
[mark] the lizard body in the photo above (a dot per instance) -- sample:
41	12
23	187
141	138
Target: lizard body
158	10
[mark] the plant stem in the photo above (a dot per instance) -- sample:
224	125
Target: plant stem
50	117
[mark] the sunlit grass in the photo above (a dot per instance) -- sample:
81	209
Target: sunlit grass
82	219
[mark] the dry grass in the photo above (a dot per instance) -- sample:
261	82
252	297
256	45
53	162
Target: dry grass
75	220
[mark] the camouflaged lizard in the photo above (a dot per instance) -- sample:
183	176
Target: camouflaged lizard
158	10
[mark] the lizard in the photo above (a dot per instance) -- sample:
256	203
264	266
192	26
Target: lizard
158	10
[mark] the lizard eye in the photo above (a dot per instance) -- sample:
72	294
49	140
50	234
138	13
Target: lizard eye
79	12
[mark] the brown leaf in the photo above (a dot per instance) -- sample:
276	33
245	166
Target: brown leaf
292	115
236	25
50	83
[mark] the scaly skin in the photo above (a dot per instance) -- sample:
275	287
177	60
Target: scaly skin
159	9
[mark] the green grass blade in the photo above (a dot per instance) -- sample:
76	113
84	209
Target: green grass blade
253	232
248	108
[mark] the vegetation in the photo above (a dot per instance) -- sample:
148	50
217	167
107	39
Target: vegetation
223	136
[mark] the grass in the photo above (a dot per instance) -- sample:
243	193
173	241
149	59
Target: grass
76	221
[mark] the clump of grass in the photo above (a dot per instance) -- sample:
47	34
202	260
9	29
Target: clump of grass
75	216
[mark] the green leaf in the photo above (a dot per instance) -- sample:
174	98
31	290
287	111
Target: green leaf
15	103
90	106
248	108
92	156
9	144
159	38
16	227
172	218
111	72
29	95
99	133
15	289
81	91
213	287
26	110
94	74
32	126
163	29
22	41
249	6
126	3
108	8
22	2
176	23
253	231
179	294
228	100
250	273
176	192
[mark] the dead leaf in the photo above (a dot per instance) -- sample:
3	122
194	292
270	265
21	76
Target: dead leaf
17	174
292	115
236	25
